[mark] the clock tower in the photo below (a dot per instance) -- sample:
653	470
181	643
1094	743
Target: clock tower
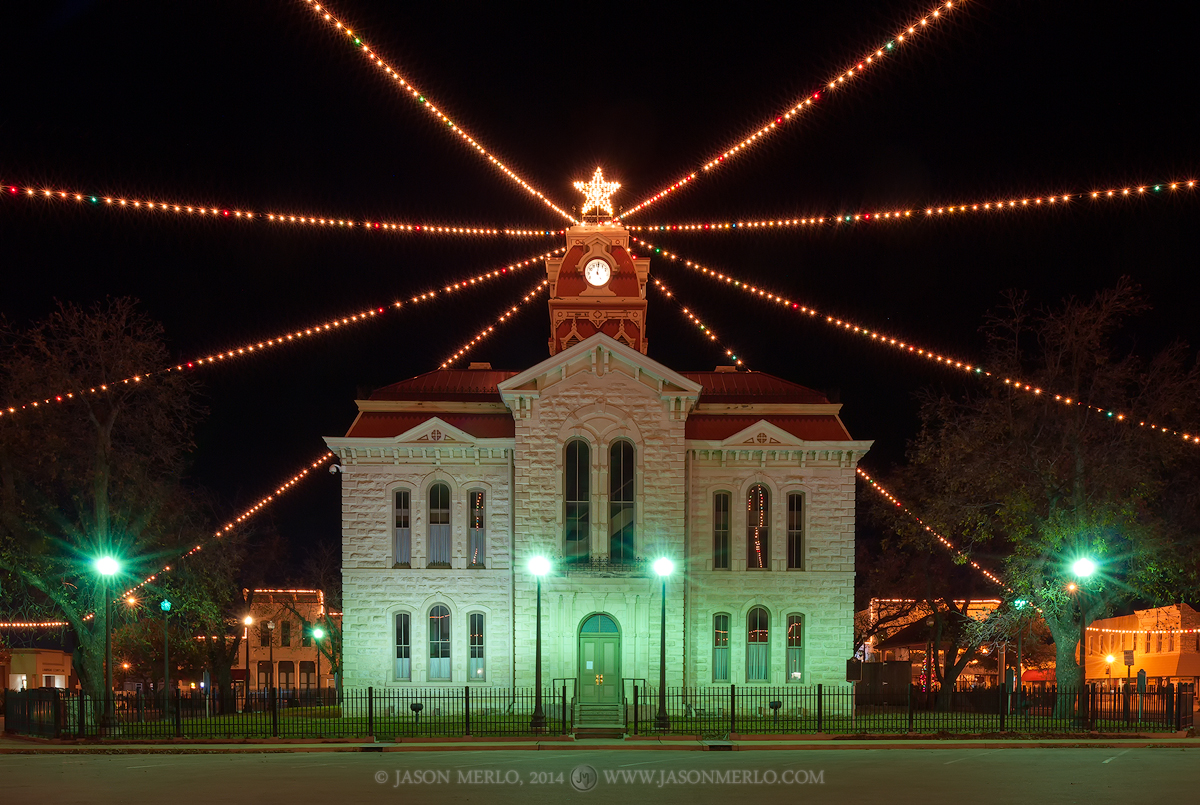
597	286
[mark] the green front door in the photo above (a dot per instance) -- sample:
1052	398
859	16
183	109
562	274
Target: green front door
599	661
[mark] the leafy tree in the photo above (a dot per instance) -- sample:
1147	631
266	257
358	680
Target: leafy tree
98	474
1029	480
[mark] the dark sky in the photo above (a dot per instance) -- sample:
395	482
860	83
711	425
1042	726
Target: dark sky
258	105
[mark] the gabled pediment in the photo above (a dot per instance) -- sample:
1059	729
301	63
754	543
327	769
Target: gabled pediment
761	435
435	431
599	354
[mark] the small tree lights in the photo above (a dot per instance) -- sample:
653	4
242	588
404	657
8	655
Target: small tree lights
414	94
841	220
248	216
838	82
1190	437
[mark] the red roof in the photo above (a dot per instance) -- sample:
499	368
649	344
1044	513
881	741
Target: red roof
752	387
469	385
387	424
810	427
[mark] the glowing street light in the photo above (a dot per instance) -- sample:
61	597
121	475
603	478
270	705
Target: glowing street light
318	634
538	566
107	567
663	567
249	621
1083	567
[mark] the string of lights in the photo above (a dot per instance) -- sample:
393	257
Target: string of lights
841	220
416	95
872	59
505	316
277	219
331	325
129	597
945	543
694	319
913	350
245	515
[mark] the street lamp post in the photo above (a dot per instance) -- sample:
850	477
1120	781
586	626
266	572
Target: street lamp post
538	566
107	566
663	568
317	634
1082	568
249	621
271	654
166	611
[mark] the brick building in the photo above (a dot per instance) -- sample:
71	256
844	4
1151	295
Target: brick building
602	460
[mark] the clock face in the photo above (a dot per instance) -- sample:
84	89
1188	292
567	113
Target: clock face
597	272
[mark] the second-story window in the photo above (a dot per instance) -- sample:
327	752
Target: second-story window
577	496
439	525
795	531
285	633
403	540
758	528
620	503
721	531
477	549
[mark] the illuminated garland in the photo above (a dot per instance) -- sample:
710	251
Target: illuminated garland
911	349
694	319
220	532
871	59
241	518
324	14
220	213
277	341
841	219
945	543
1136	631
484	333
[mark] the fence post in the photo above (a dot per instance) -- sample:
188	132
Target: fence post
564	708
178	715
1003	705
467	708
635	708
732	709
911	703
80	728
820	708
56	713
371	714
273	692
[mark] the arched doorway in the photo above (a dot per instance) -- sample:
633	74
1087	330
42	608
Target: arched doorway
599	660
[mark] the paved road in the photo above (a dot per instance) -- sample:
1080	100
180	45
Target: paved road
973	776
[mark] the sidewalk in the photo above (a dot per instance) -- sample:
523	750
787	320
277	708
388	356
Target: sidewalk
19	745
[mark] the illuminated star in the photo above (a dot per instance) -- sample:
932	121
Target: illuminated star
597	193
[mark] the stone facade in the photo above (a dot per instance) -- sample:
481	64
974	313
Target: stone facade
693	436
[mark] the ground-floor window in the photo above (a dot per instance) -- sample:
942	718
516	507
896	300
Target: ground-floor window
439	644
721	648
403	647
475	670
795	648
758	667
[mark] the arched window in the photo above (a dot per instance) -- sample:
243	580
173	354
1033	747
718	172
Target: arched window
577	493
721	531
795	648
721	647
478	537
475	670
620	503
795	531
439	526
402	550
403	646
439	644
758	633
758	528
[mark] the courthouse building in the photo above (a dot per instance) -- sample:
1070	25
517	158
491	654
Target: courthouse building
602	460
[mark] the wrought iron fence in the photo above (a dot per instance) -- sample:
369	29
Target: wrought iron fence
383	714
389	714
839	710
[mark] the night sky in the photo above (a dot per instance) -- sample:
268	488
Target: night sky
259	105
